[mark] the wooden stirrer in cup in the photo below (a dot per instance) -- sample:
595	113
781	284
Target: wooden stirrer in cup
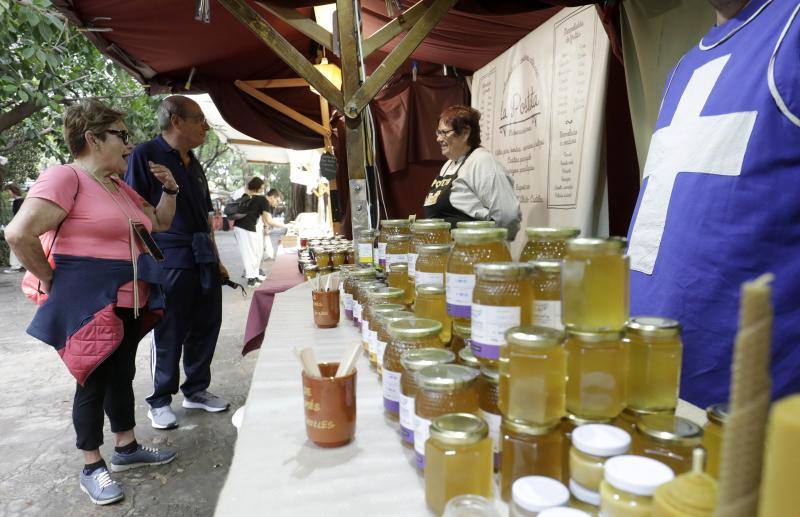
348	362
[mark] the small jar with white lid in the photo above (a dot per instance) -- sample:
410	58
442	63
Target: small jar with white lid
592	445
584	499
563	512
628	485
531	495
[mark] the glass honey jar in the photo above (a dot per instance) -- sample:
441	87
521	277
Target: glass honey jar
488	397
362	301
366	243
476	225
431	264
322	257
471	247
628	485
390	227
597	374
442	389
405	334
397	248
374	324
669	439
458	459
533	371
350	254
546	286
460	340
547	243
592	446
594	284
382	337
351	279
430	303
501	300
528	451
397	276
426	231
310	271
466	358
712	437
338	258
413	361
654	371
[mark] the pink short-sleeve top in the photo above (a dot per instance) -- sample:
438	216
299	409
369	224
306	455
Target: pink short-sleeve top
96	224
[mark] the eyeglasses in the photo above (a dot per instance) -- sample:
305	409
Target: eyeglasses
443	132
200	119
122	134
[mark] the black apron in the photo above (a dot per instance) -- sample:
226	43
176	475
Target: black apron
437	202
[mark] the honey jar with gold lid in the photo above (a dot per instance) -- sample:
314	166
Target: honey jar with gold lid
654	372
669	439
382	336
547	243
426	231
466	358
430	303
546	285
397	276
431	264
597	374
488	398
374	325
413	361
527	451
460	339
397	248
390	227
717	415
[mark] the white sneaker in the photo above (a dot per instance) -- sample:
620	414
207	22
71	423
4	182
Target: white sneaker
162	417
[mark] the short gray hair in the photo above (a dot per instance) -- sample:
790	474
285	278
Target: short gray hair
172	105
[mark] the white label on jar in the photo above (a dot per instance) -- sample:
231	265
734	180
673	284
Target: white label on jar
547	313
348	302
395	258
375	256
459	294
365	333
412	264
493	421
356	311
380	348
424	278
382	252
489	326
422	430
372	341
391	390
365	253
407	417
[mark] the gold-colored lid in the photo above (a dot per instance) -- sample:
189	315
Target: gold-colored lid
419	358
546	266
398	238
398	267
321	249
718	413
458	429
555	233
577	421
653	326
594	244
462	329
491	374
594	337
466	356
478	235
385	308
310	267
414	328
367	234
502	270
384	318
385	294
429	289
395	223
428	225
475	224
363	273
518	427
670	429
446	377
434	249
534	336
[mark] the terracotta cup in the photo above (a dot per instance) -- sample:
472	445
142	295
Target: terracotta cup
330	406
326	308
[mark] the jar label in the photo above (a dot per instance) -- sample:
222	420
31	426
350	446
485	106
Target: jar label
412	264
365	253
547	313
459	294
365	334
382	253
375	258
356	311
422	431
489	326
493	421
407	417
372	338
395	258
380	348
391	390
425	278
348	302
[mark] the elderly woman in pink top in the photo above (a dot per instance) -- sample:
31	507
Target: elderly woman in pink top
102	282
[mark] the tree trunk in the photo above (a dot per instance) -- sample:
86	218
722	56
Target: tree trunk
17	114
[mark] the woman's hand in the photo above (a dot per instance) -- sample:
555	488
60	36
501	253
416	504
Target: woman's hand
164	175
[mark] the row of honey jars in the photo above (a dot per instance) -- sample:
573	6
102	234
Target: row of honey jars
413	361
375	297
350	285
360	298
375	323
390	227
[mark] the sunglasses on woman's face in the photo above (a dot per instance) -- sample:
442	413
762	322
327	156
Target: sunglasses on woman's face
122	134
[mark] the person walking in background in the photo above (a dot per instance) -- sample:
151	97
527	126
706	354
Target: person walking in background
16	203
249	240
192	270
274	224
106	294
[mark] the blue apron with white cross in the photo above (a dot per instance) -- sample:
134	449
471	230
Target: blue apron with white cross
720	200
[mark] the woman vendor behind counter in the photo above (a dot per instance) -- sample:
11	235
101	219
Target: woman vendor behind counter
472	185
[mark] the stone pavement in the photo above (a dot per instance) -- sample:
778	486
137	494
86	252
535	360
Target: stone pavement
39	463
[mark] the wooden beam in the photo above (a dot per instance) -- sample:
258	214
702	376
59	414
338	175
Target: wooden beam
277	83
283	108
301	23
242	11
396	57
388	32
240	141
325	114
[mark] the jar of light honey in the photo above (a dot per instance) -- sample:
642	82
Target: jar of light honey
547	243
501	300
390	227
366	243
374	325
426	231
471	247
592	446
442	389
406	334
597	374
350	287
533	370
533	495
488	397
712	437
431	264
546	286
430	303
654	372
363	300
628	486
376	295
669	439
397	276
350	254
382	337
458	459
466	358
322	257
338	257
475	225
594	284
359	297
528	451
397	247
461	338
413	361
310	271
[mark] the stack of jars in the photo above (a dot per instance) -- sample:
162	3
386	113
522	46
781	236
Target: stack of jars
390	227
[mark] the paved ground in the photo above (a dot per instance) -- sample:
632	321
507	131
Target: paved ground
39	463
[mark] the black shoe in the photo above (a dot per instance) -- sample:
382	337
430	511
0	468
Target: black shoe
251	282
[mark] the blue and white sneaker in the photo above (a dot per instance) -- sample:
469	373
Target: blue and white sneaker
141	457
100	488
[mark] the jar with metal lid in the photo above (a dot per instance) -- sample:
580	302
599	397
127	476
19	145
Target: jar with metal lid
397	276
413	361
534	495
350	254
338	257
322	257
397	248
528	451
430	303
426	231
654	371
360	297
475	225
597	374
547	243
366	242
390	227
351	279
471	247
382	337
362	300
501	300
669	439
460	340
310	271
712	437
431	264
488	397
466	358
405	334
376	296
594	284
442	389
628	485
459	459
546	286
374	325
592	445
533	370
